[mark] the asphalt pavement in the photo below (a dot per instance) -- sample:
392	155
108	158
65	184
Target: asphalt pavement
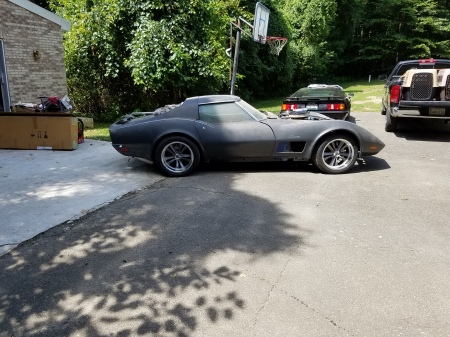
242	250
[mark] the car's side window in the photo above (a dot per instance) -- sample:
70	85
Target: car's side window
223	113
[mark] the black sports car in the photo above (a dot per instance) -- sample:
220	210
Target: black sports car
329	100
226	128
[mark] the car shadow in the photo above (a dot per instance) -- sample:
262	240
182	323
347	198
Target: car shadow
367	164
423	130
370	164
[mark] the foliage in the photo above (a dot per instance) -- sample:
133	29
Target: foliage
173	52
128	55
310	25
42	3
395	30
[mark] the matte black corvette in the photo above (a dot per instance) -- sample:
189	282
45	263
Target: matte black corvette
226	128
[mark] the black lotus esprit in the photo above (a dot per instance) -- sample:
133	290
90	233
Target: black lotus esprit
226	128
328	100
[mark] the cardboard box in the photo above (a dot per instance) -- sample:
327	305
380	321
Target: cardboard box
38	132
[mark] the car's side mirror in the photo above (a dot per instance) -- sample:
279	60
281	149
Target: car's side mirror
382	77
351	95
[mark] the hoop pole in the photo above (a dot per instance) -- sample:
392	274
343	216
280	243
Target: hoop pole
236	57
231	46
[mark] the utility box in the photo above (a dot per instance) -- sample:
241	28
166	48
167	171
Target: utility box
38	131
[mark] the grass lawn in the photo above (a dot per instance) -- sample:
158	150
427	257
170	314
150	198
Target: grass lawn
367	98
99	132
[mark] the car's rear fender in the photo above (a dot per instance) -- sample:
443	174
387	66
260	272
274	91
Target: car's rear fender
174	133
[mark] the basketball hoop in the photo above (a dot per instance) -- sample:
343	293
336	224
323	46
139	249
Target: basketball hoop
276	43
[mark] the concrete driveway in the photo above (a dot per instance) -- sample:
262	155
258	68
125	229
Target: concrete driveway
41	189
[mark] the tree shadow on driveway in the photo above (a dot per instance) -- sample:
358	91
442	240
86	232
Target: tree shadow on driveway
165	260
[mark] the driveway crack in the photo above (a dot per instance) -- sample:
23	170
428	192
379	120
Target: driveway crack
271	290
303	303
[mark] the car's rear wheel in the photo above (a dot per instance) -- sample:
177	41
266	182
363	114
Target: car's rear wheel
336	154
391	123
177	156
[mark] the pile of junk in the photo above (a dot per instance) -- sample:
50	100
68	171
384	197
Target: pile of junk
51	104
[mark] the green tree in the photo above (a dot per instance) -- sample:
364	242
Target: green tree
394	30
124	55
310	24
42	3
179	47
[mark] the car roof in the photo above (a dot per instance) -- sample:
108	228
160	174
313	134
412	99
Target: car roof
325	86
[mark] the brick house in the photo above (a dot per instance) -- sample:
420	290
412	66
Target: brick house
31	53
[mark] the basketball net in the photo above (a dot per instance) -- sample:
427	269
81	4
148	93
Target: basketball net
275	43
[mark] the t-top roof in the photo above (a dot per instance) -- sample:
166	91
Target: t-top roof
65	24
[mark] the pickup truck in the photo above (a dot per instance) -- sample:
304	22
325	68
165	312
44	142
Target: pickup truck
416	89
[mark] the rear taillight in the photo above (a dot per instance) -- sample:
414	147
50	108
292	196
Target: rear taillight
395	93
336	106
285	107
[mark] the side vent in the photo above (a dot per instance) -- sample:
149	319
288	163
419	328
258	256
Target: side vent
297	146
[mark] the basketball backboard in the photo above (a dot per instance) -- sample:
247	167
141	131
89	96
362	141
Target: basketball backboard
260	23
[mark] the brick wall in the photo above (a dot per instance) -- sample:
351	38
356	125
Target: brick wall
24	32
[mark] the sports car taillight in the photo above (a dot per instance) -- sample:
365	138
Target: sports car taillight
395	93
336	106
285	107
123	148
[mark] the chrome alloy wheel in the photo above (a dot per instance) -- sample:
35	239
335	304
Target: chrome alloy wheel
177	157
338	154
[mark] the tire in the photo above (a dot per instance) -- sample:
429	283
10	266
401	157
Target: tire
336	154
177	156
391	123
347	118
383	109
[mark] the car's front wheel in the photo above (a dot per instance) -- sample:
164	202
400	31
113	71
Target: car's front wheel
336	154
177	156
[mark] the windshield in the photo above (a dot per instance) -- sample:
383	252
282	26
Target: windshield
251	110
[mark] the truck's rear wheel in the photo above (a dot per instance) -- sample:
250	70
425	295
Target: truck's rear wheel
391	123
